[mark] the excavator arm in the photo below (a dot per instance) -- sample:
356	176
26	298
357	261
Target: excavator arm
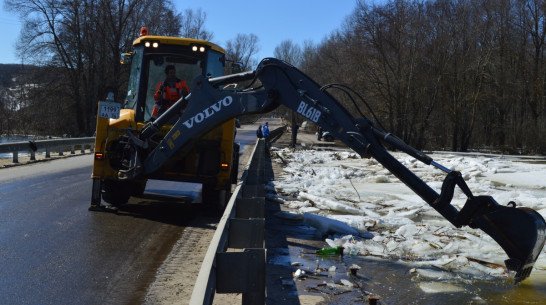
521	232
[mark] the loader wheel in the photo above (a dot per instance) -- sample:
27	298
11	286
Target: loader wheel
138	187
96	192
214	200
116	192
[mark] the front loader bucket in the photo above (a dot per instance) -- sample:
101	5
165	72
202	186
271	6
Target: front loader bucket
521	232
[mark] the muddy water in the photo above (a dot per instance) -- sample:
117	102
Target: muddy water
394	281
397	283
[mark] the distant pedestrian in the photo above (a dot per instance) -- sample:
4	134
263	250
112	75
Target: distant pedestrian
259	133
265	130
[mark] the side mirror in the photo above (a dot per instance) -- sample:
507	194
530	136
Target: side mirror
236	67
125	58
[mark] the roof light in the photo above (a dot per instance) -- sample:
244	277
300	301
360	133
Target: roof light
147	44
155	44
194	48
201	49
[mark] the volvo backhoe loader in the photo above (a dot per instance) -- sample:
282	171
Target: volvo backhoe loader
154	148
210	159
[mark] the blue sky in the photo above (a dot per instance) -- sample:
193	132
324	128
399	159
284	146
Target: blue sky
271	21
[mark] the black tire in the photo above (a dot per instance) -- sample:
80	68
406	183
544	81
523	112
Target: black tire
138	187
329	138
116	192
96	192
214	201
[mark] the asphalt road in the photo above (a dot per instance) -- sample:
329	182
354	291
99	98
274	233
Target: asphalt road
54	251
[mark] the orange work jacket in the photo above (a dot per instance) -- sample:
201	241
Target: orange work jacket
169	95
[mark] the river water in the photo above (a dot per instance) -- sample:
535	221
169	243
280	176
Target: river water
393	280
398	282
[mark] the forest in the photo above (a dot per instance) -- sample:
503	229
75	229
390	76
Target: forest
460	75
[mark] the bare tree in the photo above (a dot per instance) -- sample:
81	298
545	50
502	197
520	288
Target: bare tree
457	74
157	16
193	23
289	52
6	111
308	54
243	49
81	41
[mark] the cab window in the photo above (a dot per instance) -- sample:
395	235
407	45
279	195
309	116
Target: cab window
186	69
134	79
215	64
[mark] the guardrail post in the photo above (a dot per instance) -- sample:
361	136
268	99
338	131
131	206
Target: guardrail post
254	190
72	149
60	150
246	233
47	152
241	227
32	155
83	149
256	173
246	273
248	208
15	157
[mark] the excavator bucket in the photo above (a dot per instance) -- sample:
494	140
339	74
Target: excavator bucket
521	232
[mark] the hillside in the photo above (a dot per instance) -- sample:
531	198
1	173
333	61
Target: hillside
7	73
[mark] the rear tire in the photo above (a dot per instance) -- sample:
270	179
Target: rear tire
96	192
116	192
138	187
214	201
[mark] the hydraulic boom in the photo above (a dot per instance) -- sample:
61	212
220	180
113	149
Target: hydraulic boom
521	232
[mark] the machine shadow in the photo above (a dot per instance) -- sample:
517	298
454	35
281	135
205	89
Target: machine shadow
168	209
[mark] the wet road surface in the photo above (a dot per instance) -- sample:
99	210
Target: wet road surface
54	251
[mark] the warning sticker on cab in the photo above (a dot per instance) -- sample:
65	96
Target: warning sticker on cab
109	110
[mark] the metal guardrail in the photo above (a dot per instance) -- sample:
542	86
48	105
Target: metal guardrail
60	145
277	132
241	227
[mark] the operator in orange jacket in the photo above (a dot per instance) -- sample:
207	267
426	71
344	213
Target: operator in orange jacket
168	92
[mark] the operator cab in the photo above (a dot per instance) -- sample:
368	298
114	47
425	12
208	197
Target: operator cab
151	54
